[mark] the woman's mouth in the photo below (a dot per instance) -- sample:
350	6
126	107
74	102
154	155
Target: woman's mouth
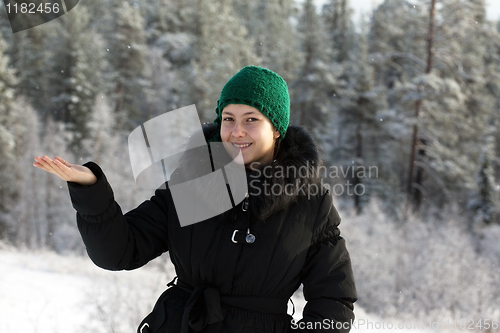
241	145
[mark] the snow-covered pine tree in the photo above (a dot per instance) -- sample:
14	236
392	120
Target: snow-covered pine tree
30	57
397	45
56	215
486	201
167	58
222	47
25	221
77	66
171	36
280	36
107	146
102	139
397	41
166	16
39	215
359	103
127	48
464	62
317	81
8	189
337	15
272	26
456	93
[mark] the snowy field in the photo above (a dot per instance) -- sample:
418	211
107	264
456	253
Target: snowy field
48	293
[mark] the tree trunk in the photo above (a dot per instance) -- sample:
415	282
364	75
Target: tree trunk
413	189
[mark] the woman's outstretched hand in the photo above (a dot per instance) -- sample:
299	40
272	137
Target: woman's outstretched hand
66	171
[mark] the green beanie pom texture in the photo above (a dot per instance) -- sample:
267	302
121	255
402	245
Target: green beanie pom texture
262	89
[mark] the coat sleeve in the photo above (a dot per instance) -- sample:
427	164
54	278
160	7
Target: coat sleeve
327	277
114	240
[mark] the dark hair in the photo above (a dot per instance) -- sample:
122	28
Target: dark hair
277	145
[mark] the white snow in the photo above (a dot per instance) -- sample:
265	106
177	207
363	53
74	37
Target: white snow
36	298
44	292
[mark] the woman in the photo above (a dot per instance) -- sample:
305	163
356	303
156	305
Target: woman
235	271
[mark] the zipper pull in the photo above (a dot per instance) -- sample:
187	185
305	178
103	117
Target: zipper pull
244	207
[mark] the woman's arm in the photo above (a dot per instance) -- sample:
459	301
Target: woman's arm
327	277
114	240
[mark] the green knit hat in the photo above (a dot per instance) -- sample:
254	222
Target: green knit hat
260	88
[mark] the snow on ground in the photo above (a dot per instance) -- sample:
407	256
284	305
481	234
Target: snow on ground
47	293
36	298
44	292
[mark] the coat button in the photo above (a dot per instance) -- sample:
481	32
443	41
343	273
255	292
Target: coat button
250	238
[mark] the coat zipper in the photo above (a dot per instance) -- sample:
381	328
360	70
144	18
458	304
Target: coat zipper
244	207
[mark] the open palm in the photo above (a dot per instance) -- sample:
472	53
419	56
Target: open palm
66	171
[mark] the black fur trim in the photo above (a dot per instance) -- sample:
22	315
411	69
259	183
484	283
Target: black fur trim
293	172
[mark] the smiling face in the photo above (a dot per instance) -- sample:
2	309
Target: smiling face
248	130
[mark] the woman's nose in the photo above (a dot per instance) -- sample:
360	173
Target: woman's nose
238	130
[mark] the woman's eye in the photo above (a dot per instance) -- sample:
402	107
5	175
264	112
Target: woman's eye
252	119
227	119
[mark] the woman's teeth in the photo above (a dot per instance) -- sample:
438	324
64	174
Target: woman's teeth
241	146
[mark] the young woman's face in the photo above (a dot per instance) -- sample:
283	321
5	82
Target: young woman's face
248	130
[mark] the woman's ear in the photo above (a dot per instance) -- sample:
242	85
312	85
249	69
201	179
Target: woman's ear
276	134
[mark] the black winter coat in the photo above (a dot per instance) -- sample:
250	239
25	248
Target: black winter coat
224	286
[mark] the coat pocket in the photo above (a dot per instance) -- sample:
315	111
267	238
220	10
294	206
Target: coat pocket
167	313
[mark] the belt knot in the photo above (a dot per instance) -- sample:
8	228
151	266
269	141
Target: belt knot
202	308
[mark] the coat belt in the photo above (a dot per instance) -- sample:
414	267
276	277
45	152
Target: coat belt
204	307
